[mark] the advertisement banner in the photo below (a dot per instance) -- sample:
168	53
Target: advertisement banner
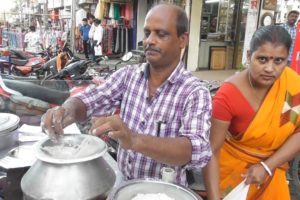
295	63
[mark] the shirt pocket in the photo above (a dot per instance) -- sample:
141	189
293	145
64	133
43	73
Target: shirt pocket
167	128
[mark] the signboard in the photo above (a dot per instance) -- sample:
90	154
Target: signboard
251	26
55	4
295	62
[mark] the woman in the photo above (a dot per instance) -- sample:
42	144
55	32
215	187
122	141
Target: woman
256	124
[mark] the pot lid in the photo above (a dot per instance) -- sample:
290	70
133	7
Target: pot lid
8	122
70	148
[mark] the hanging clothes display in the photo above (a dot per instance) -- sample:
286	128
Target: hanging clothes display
1	36
99	12
15	40
117	20
117	40
50	39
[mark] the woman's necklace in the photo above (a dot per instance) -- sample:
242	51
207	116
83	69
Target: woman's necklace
250	82
257	98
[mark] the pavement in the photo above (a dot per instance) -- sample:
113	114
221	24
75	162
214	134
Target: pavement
212	75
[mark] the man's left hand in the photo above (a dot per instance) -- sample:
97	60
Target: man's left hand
115	128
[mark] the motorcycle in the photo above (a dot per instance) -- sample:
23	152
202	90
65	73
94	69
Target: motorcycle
21	63
27	98
57	63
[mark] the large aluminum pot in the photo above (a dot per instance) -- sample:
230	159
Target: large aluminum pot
8	137
71	168
130	189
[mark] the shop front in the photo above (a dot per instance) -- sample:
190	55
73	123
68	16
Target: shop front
222	33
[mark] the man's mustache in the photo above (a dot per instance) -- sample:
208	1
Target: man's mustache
151	48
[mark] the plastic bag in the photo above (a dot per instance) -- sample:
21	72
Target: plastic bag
239	192
98	50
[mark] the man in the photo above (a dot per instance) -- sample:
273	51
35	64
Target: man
164	111
32	41
97	38
84	32
91	20
291	26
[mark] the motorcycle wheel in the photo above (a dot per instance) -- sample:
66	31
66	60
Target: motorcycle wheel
294	171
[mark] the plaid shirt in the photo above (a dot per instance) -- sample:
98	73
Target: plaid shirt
182	103
292	31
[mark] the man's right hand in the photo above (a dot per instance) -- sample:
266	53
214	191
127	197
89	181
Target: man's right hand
55	120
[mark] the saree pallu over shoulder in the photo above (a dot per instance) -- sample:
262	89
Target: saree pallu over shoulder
276	120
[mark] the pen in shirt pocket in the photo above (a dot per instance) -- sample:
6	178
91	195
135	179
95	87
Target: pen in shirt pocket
158	127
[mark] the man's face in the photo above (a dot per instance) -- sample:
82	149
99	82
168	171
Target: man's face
161	43
292	18
84	23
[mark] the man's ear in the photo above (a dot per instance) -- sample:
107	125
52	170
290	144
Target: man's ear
184	38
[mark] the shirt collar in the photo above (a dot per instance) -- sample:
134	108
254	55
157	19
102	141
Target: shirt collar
175	76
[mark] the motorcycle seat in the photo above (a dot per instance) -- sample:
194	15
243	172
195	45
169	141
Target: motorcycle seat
36	91
18	62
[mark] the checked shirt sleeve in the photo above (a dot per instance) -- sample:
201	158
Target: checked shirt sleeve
105	98
196	126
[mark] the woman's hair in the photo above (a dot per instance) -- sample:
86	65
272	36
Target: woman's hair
272	33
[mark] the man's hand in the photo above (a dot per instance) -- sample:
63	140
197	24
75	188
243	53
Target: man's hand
115	128
55	119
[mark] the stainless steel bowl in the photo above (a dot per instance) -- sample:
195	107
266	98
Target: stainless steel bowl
129	189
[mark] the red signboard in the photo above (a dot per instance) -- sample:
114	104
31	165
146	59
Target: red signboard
295	63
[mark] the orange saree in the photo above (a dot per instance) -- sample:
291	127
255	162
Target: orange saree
276	120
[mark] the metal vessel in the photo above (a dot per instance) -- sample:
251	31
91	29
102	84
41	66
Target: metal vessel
130	189
70	168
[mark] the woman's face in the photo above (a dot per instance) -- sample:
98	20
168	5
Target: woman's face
267	63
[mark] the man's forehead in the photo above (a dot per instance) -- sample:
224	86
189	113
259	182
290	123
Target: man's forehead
161	10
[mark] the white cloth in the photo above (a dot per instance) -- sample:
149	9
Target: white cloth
33	41
98	34
91	32
98	50
111	11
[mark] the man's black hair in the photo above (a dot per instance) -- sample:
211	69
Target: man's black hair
32	28
293	12
97	21
182	21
